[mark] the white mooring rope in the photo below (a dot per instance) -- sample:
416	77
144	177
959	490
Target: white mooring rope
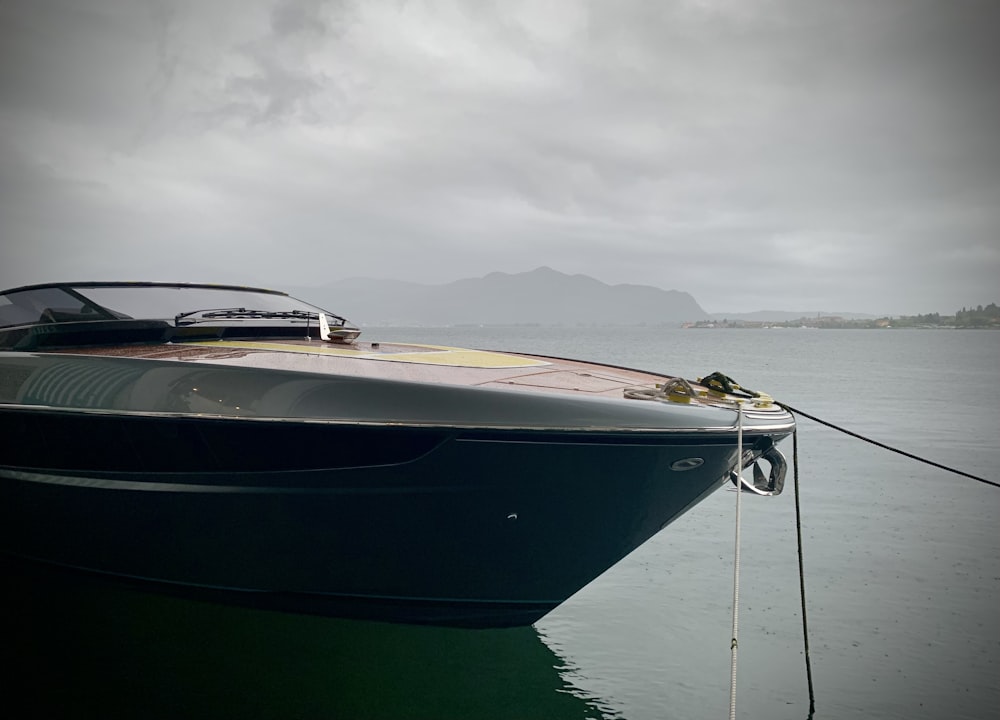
736	563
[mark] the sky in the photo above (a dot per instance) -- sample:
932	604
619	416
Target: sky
788	154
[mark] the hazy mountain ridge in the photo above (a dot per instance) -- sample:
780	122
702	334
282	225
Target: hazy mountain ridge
542	296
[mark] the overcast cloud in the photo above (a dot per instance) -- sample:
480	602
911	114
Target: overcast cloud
794	154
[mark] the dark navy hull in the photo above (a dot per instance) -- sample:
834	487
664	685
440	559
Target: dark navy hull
423	524
239	444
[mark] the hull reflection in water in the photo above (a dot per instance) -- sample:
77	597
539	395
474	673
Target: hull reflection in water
81	646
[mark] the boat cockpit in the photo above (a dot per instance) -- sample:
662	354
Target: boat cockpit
105	313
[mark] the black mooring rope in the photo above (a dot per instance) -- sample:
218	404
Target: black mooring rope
726	384
790	409
802	574
798	520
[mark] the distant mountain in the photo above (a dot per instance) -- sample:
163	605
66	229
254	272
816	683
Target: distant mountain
543	296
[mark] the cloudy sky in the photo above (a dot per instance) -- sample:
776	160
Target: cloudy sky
786	154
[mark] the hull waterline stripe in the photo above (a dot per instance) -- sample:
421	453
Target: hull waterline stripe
104	483
303	593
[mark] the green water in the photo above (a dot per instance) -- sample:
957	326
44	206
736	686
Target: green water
83	648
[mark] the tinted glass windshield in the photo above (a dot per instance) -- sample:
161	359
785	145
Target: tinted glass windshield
149	302
49	304
165	303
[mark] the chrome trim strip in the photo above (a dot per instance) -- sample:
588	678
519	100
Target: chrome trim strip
777	427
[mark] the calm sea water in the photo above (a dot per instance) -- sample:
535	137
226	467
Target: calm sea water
902	575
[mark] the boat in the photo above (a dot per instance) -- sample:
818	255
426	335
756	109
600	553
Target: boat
240	445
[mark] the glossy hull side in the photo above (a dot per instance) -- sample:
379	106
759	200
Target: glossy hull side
411	524
175	388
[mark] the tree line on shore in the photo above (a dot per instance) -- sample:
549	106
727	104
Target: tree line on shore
977	317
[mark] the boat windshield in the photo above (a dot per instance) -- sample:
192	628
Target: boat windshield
83	302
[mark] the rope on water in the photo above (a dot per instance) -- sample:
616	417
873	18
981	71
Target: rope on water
802	574
876	443
734	645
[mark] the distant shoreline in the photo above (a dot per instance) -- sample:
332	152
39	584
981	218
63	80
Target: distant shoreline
704	325
833	324
783	326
